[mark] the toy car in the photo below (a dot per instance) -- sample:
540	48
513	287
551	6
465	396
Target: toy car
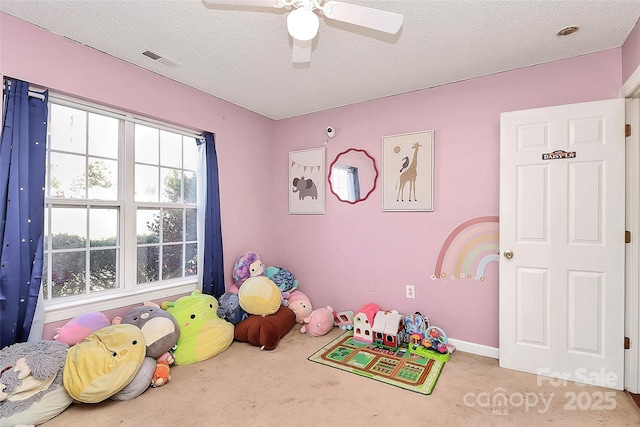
344	320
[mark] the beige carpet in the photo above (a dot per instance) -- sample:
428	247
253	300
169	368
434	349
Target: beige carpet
247	387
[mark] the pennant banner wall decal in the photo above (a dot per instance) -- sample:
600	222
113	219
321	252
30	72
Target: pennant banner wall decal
305	167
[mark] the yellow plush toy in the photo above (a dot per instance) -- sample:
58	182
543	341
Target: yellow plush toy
104	363
259	295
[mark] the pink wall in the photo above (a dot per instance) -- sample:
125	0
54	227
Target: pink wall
353	254
631	53
338	257
244	140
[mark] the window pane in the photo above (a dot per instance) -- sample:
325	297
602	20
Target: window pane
191	259
67	176
68	274
45	240
68	227
191	227
45	277
103	136
146	144
103	179
148	226
103	227
171	185
172	266
172	225
190	149
68	128
102	270
146	184
170	149
339	181
85	238
148	264
190	187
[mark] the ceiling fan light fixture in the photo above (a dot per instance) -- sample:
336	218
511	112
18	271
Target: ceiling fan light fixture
302	24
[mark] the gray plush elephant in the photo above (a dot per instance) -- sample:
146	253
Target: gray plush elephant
304	188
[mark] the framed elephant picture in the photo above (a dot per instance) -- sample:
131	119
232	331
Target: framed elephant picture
407	172
307	181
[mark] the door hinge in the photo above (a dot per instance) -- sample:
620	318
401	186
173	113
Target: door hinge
627	237
627	130
627	343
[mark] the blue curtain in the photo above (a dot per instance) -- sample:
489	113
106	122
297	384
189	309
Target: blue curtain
22	172
213	266
354	183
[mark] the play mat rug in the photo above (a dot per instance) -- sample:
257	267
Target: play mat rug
396	367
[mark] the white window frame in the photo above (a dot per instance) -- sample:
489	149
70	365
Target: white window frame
129	293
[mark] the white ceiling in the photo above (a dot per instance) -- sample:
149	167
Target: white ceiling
243	54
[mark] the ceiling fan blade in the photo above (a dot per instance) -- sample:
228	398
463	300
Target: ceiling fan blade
263	3
381	20
301	51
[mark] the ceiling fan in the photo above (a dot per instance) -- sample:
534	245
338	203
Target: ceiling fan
302	22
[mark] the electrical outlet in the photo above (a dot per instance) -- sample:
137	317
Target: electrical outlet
411	291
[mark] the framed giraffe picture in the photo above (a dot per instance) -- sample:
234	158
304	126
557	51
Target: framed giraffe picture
407	172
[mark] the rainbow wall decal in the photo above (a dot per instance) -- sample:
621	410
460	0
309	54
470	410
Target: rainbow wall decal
469	249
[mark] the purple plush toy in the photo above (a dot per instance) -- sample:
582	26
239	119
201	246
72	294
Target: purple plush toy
80	327
249	264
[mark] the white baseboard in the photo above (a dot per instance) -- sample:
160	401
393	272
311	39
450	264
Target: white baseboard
479	349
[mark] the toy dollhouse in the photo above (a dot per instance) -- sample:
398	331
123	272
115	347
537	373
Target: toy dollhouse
363	321
388	328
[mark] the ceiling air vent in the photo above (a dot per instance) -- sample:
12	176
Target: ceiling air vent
159	58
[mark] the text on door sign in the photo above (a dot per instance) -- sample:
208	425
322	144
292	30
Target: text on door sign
559	154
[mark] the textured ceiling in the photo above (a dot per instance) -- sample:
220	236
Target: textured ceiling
243	54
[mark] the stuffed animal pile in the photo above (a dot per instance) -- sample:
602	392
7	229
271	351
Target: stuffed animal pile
268	304
255	304
92	359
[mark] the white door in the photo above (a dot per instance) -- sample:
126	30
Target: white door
562	216
632	278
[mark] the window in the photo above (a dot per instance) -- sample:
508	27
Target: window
345	182
121	207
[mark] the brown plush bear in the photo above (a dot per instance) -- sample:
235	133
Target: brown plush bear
265	331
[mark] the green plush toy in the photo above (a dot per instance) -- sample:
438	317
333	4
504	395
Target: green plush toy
202	333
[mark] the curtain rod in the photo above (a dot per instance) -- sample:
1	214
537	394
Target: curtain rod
32	91
72	102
